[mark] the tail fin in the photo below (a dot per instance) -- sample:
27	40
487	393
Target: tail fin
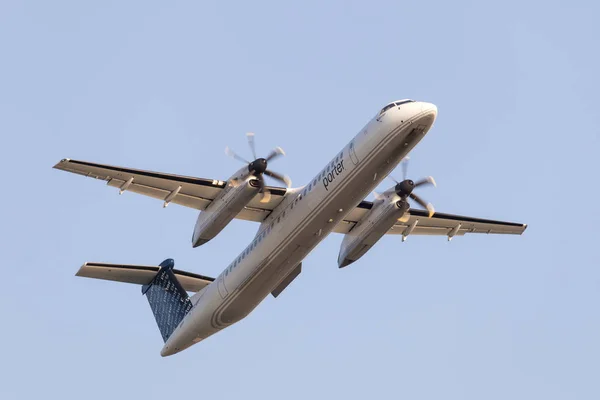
167	298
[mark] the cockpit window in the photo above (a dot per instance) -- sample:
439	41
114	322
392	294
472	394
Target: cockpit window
384	109
395	104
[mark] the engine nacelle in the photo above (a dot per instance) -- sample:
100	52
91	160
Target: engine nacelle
223	209
371	228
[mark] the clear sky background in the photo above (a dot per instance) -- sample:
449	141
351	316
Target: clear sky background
167	85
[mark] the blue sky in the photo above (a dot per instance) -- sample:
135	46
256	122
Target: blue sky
167	85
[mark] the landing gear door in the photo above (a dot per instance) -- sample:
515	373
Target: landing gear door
353	156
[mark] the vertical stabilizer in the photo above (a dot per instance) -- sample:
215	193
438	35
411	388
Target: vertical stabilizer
167	298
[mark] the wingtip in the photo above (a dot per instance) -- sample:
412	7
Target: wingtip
58	164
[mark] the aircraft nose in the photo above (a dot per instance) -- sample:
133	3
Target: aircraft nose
429	107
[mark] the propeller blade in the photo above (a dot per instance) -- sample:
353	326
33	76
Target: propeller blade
250	136
430	209
261	182
276	152
283	178
405	167
394	179
266	194
423	204
405	217
426	181
232	154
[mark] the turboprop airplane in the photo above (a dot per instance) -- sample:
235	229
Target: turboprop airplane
292	222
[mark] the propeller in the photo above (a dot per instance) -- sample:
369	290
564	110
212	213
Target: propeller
405	188
258	167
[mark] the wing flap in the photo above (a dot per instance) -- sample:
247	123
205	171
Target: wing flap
191	192
451	224
440	224
183	199
140	274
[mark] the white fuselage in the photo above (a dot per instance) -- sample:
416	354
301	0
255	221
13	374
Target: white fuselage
304	218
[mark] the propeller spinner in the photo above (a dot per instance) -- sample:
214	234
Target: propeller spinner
406	187
259	166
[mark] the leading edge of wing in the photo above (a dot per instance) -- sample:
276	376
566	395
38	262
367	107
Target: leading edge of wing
63	165
422	213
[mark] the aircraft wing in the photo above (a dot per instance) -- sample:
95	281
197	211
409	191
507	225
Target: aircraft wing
441	224
185	190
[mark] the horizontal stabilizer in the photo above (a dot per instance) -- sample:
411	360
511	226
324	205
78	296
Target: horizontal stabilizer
141	275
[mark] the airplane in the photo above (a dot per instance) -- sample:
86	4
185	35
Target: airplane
293	221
